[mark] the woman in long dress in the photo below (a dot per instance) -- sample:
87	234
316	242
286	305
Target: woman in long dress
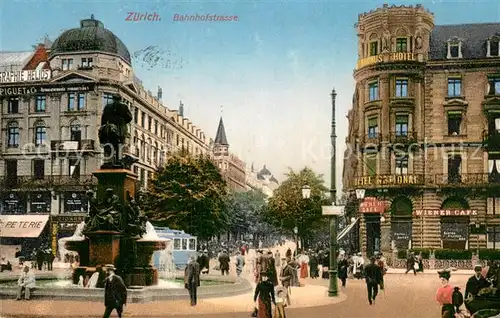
264	296
303	261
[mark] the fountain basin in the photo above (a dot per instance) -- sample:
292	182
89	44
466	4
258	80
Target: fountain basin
48	287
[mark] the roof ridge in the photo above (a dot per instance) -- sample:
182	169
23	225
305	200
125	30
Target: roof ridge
466	24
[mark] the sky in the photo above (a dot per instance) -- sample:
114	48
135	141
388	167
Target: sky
269	74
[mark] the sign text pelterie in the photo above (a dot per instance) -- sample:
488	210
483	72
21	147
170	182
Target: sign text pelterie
25	76
445	213
32	90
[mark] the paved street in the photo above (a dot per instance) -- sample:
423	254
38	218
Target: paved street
405	296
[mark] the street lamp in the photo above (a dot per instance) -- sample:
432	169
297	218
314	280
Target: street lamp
296	231
382	219
306	192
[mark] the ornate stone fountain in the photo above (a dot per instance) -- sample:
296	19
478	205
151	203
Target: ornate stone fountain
115	227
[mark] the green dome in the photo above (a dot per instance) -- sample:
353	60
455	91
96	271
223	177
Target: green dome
90	36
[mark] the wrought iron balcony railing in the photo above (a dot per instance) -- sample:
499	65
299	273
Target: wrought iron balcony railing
467	179
72	145
375	138
403	137
47	181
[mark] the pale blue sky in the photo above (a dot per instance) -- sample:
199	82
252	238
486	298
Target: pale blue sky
273	70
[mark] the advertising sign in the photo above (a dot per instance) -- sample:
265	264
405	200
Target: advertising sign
372	205
22	225
25	76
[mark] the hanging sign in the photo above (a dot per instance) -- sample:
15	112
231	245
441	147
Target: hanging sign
372	205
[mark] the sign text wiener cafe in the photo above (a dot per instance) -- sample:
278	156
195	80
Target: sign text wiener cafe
33	90
383	180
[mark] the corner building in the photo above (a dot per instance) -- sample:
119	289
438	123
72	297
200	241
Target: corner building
51	105
424	132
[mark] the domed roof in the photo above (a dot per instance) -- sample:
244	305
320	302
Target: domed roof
90	36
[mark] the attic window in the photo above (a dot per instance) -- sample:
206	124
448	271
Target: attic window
454	49
492	47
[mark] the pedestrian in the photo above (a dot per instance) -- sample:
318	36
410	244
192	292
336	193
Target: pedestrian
381	262
115	292
303	261
475	284
444	295
264	297
224	262
279	309
373	276
192	279
49	258
277	260
240	263
287	280
26	283
411	264
342	269
271	269
204	262
313	266
40	258
420	263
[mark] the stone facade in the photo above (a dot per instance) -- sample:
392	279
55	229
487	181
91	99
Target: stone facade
422	131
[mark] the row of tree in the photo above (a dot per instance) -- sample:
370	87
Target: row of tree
189	193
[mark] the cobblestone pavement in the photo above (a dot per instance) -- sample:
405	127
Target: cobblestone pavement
405	296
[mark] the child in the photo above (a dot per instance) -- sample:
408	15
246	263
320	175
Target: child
279	309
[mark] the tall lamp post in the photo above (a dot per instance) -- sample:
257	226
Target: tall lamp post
332	268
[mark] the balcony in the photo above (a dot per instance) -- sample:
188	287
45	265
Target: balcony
467	179
374	138
404	138
491	141
385	181
68	146
32	182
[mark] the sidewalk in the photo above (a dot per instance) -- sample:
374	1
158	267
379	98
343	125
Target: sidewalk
430	271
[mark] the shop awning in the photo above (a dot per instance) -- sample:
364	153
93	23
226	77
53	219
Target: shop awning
26	226
346	230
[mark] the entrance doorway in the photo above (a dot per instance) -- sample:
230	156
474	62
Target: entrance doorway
372	234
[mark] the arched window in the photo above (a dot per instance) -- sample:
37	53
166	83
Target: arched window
401	207
40	133
401	222
455	229
13	135
75	131
155	152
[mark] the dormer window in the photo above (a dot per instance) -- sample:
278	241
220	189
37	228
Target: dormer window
87	62
373	48
454	48
492	47
401	45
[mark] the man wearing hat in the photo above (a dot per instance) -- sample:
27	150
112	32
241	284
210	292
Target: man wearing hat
115	292
192	279
224	261
204	262
475	284
264	292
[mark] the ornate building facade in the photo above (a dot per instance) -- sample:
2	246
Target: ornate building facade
232	168
423	132
51	104
262	180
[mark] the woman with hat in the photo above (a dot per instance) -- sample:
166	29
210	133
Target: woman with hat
264	294
444	295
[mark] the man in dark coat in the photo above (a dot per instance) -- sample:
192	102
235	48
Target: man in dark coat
192	279
40	258
373	276
313	266
342	269
224	262
115	292
475	284
410	264
264	294
271	269
204	262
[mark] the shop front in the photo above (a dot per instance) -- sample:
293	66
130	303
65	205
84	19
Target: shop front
13	203
64	226
40	202
75	202
29	231
371	209
401	223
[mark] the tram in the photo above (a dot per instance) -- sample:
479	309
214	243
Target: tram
183	245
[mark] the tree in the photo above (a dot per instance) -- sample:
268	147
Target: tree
188	193
246	210
288	209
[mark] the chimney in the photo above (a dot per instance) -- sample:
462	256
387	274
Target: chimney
159	95
181	109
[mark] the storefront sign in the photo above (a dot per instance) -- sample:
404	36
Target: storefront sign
388	180
13	203
445	213
401	231
386	57
75	202
32	90
40	202
25	76
22	225
372	205
454	231
69	218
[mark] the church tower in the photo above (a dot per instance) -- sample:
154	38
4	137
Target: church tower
221	146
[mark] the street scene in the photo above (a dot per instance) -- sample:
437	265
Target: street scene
241	159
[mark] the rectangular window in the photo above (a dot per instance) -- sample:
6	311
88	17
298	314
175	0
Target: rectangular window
13	105
150	121
494	48
493	206
184	244
143	119
143	178
156	127
401	45
373	48
402	125
40	103
11	169
136	115
87	62
40	135
493	237
177	140
192	244
74	168
401	88
454	87
38	168
107	98
67	64
454	122
373	91
495	86
454	50
373	127
75	133
13	135
454	165
177	244
80	105
401	165
371	163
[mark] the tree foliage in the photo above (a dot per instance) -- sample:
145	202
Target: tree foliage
188	193
288	209
246	210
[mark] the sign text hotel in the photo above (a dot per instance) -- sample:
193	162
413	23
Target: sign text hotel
388	180
25	76
386	57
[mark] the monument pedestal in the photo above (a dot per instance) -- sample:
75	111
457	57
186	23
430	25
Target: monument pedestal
122	181
141	276
104	247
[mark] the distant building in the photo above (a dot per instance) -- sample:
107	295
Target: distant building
262	180
232	168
